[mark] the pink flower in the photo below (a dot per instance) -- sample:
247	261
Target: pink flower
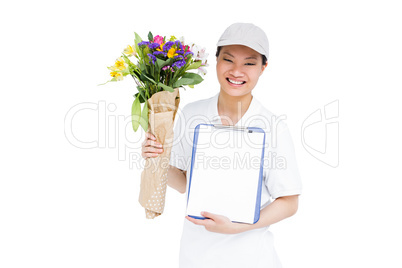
168	68
186	48
158	39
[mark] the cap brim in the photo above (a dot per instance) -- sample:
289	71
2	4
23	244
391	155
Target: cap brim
251	45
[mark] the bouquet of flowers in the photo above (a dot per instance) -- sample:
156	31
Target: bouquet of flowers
160	68
161	65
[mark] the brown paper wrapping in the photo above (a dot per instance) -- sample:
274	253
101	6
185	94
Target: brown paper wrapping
162	111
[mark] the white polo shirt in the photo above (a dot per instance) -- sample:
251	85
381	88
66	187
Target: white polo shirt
203	249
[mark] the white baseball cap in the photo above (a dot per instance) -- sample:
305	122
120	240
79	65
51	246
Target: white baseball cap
246	34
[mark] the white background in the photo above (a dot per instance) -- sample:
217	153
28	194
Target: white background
64	206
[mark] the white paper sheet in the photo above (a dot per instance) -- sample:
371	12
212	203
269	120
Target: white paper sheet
226	173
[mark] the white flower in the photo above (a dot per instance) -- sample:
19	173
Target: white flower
202	55
181	39
199	53
202	70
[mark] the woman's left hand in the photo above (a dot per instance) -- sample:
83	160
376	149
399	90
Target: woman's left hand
216	223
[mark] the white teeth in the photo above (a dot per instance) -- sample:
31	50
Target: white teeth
235	82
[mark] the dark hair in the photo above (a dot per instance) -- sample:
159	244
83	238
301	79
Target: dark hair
264	59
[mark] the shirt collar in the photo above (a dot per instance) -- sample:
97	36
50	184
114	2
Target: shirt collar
214	115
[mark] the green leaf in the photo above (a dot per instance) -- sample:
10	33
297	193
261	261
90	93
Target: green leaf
143	75
162	63
165	87
196	77
141	97
126	59
125	72
144	117
111	80
195	65
136	113
188	79
137	40
146	51
143	67
150	37
184	81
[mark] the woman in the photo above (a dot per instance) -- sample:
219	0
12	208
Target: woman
217	242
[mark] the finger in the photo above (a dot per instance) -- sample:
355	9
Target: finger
149	155
198	222
152	150
149	143
150	136
145	156
149	151
146	142
195	221
209	215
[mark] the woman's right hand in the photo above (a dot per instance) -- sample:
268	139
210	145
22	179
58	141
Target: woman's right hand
150	147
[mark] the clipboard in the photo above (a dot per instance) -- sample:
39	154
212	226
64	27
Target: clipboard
226	172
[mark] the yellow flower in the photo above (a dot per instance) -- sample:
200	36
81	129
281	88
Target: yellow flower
119	65
161	47
116	75
129	51
171	53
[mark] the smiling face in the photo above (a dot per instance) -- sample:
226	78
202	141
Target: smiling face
238	69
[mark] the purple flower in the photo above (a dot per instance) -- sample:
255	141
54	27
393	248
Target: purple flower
168	45
177	43
143	43
179	64
188	53
180	57
152	58
154	45
157	53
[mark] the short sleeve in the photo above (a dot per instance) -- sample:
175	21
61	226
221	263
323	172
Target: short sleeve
178	156
281	173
